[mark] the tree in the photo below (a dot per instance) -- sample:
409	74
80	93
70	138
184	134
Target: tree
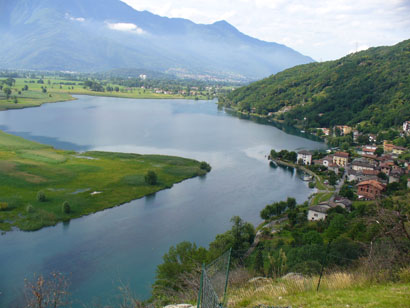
258	266
291	203
41	196
45	292
151	178
7	91
66	207
205	166
379	151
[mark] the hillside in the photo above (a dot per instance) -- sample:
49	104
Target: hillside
98	35
371	86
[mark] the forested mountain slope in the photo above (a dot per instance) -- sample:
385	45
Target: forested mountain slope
371	87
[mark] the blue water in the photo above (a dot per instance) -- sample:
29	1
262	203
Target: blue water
126	243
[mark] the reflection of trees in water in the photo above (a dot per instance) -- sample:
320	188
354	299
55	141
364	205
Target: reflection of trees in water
287	129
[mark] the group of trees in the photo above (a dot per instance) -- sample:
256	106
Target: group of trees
277	208
284	155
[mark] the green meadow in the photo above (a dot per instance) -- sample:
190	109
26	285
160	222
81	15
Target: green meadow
58	90
89	182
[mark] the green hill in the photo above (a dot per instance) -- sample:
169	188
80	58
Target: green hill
370	87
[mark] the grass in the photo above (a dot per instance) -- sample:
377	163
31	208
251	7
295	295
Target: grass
321	197
337	290
58	92
27	167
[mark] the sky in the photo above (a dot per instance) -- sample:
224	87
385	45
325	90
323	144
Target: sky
321	29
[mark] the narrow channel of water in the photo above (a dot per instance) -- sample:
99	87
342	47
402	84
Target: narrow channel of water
125	244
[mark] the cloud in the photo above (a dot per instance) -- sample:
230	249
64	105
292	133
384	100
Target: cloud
126	27
322	29
79	19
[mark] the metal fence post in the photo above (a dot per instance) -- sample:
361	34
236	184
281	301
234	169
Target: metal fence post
227	276
200	285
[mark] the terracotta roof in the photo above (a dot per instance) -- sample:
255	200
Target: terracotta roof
370	172
342	154
373	183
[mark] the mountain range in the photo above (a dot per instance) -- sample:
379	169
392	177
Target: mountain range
98	35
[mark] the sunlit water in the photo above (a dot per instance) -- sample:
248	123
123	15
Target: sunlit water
126	243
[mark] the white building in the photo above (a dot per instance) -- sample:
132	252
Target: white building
305	156
406	127
318	212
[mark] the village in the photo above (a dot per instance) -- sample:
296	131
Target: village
368	171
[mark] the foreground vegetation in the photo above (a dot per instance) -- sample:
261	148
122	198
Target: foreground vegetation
337	290
41	185
363	252
370	88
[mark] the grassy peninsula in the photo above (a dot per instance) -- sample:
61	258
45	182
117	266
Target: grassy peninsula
37	181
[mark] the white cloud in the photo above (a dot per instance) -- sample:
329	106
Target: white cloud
322	29
125	27
79	19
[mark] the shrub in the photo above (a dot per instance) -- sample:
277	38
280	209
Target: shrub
41	196
205	166
66	207
29	208
151	178
3	206
312	184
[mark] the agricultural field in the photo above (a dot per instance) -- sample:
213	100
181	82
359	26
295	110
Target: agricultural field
27	92
41	186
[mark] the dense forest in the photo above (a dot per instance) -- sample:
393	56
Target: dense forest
370	87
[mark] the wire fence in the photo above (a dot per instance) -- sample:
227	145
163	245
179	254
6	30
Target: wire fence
214	282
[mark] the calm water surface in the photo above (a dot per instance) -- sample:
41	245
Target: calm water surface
126	243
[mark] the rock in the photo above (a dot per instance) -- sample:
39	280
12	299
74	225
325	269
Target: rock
180	306
259	279
293	276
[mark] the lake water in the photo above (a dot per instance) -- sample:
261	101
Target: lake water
125	244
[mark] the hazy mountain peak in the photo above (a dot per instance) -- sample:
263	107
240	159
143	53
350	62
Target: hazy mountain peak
94	35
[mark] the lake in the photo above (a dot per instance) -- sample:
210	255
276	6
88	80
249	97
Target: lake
126	243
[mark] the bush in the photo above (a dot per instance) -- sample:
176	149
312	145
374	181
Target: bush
312	184
3	206
151	178
205	166
29	208
66	207
41	196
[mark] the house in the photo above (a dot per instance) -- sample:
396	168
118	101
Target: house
387	147
406	127
386	167
344	129
325	131
327	160
398	150
305	157
361	164
333	167
371	189
343	202
368	150
318	212
372	138
341	159
356	135
395	175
